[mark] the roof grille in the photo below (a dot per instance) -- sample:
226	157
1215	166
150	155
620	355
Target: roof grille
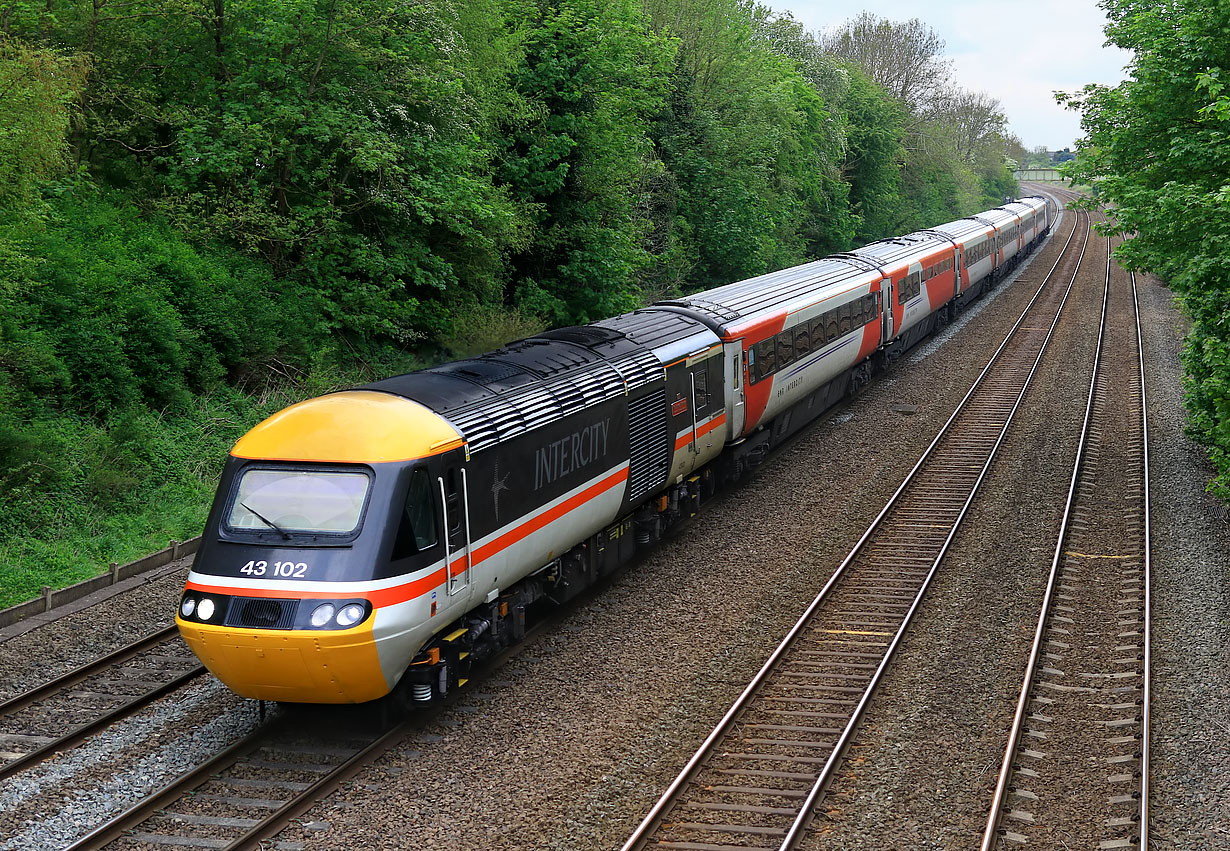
639	368
534	405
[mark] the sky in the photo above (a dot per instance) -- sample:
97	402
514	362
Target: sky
1016	52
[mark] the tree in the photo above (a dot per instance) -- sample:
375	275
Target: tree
874	157
38	89
595	75
975	118
903	58
347	144
1157	151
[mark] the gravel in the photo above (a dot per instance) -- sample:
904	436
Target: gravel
52	804
567	745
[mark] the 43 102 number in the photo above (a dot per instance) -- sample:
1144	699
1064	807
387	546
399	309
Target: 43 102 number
279	569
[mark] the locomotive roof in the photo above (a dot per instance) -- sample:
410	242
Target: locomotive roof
529	383
669	334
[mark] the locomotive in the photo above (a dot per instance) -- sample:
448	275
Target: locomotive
393	535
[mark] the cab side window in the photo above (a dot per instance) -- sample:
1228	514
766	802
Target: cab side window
416	532
454	501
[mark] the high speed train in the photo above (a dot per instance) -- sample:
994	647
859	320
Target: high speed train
392	535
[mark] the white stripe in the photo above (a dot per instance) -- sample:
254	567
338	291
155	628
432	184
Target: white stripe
299	585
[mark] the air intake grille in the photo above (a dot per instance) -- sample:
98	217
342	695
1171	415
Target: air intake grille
492	421
640	367
649	450
261	613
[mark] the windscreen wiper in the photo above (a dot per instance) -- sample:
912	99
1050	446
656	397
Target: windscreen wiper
266	521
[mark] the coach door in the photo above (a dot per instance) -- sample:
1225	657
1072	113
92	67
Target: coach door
734	380
455	501
886	306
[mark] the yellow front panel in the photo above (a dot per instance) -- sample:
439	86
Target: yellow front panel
295	666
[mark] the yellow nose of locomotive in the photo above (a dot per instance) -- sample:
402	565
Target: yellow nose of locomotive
294	666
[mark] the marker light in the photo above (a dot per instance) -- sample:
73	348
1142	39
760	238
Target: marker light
350	615
205	609
322	614
189	605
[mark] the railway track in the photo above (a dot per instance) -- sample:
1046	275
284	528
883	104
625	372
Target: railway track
757	778
247	794
251	791
1076	768
37	724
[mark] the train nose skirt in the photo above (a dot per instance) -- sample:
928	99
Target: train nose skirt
261	613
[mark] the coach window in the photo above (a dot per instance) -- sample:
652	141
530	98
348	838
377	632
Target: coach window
766	359
785	349
818	338
417	531
844	314
802	341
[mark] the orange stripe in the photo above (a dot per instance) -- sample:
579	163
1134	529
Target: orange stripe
532	525
401	593
701	431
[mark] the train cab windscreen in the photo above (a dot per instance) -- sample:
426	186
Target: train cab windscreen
328	502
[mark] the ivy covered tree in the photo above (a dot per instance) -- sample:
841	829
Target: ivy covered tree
37	90
1157	151
593	76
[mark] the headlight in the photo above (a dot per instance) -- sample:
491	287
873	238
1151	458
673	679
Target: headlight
205	609
322	614
187	607
350	615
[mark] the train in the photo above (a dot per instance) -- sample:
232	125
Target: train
388	538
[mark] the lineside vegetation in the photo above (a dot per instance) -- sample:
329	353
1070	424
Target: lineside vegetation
1157	152
210	208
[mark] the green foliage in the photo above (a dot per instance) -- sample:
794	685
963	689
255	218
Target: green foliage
103	310
1157	151
876	125
485	328
37	89
348	144
751	145
595	75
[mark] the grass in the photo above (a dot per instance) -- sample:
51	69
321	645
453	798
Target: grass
90	493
